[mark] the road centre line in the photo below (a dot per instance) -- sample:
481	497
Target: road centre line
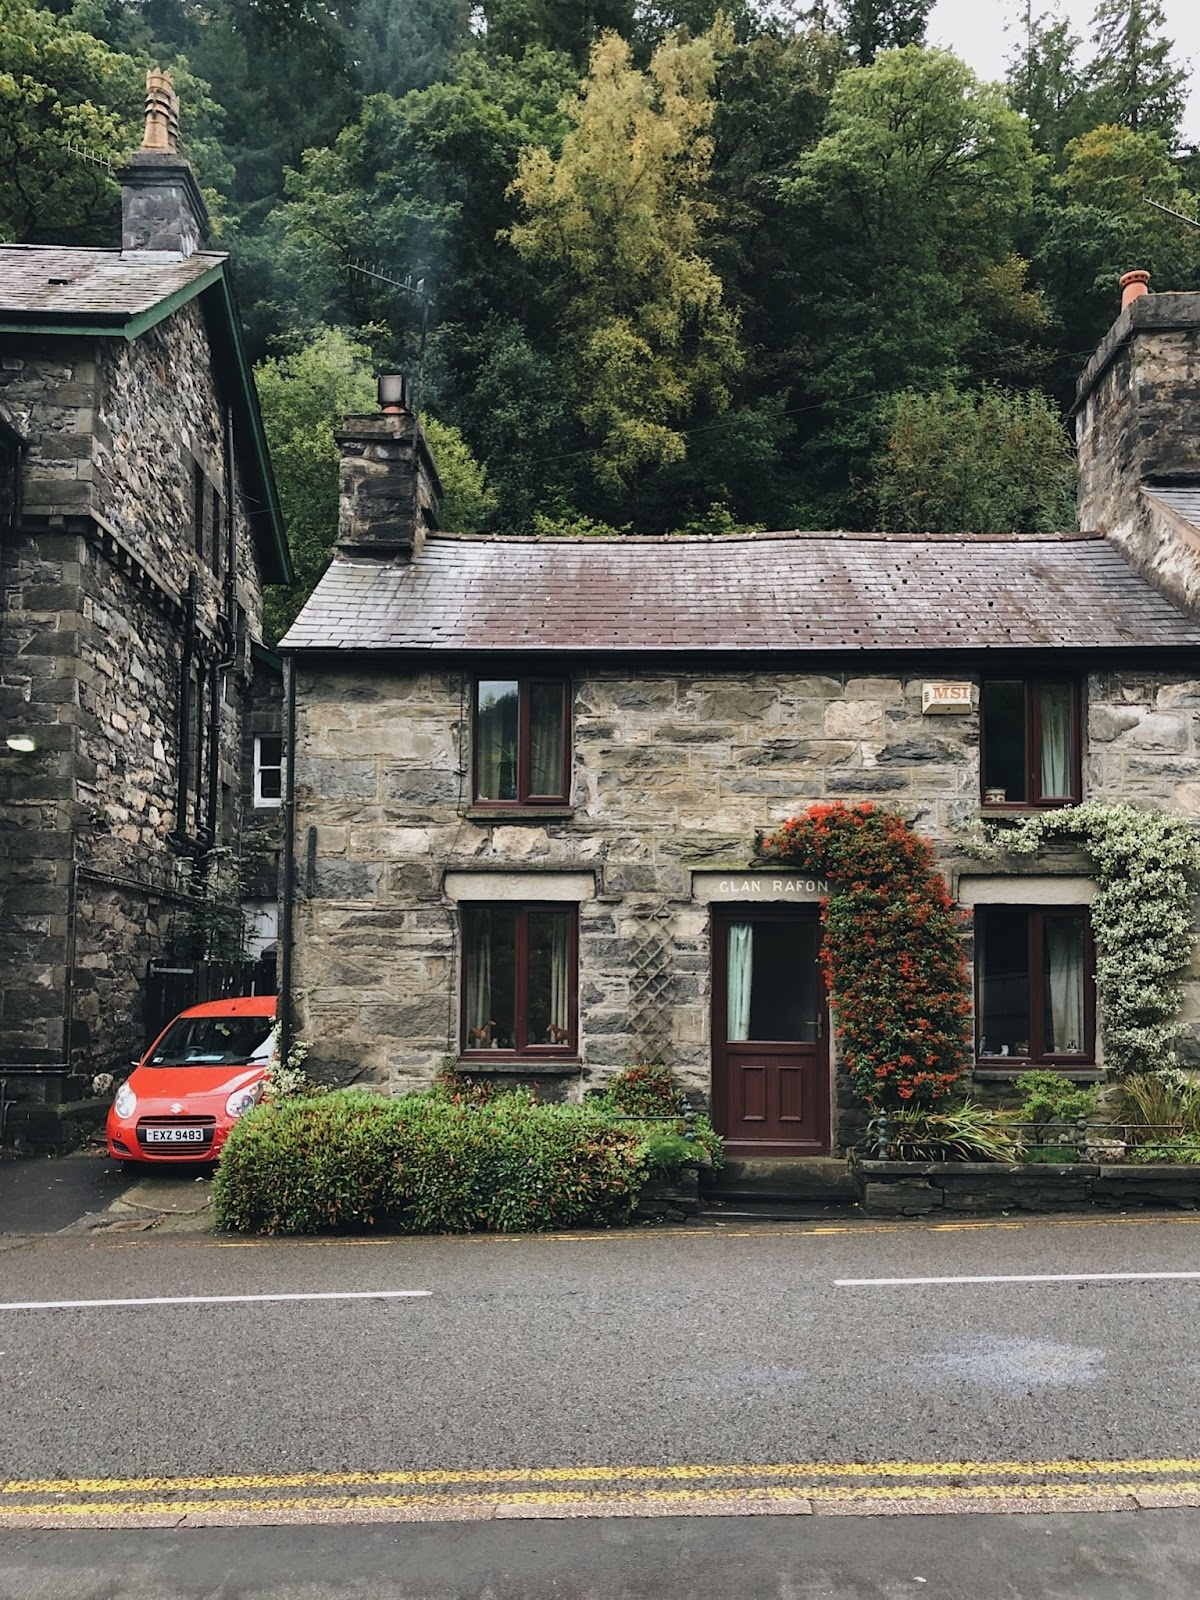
1015	1277
214	1300
686	1472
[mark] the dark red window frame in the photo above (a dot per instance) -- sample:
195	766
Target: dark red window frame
523	1049
1033	744
525	683
1037	1002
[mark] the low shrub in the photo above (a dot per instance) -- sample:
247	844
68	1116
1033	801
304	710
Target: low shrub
436	1163
1152	1106
964	1132
1052	1106
651	1091
644	1090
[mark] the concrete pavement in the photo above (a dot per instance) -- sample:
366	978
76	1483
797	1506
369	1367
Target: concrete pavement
1148	1556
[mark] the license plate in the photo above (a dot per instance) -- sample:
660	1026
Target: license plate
175	1135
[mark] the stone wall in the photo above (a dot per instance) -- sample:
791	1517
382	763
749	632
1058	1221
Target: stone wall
673	771
93	619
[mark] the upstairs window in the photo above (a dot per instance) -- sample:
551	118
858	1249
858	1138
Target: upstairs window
519	993
1030	742
268	770
521	729
1034	986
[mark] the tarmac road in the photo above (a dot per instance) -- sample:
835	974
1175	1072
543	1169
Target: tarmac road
664	1379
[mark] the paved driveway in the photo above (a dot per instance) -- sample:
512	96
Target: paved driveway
45	1194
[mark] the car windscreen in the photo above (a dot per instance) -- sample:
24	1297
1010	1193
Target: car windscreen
214	1042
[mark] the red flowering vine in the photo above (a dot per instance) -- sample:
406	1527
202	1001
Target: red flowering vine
891	951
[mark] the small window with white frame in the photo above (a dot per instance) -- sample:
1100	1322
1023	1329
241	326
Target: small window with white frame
268	769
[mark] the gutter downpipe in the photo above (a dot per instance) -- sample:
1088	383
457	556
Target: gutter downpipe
287	897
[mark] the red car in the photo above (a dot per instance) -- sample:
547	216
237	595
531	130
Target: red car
204	1071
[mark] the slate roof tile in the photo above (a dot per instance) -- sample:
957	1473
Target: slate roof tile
765	592
59	282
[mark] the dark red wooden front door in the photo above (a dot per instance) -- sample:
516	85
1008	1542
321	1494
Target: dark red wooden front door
770	1032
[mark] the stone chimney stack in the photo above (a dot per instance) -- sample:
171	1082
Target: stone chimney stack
1136	408
388	486
162	209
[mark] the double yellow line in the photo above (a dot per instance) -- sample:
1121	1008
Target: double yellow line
629	1490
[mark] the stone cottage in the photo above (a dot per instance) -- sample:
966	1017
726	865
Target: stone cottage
530	773
141	522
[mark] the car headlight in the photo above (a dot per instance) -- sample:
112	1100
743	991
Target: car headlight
241	1100
126	1102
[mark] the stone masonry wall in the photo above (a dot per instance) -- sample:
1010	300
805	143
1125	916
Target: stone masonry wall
672	771
91	643
1136	401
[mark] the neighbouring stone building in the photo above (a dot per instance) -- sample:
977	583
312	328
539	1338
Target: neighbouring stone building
141	522
530	773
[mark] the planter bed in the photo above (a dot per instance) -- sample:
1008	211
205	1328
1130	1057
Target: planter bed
917	1188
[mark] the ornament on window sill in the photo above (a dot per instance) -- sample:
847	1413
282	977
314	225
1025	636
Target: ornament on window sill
481	1037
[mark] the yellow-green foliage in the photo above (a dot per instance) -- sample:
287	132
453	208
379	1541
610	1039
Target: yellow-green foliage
616	219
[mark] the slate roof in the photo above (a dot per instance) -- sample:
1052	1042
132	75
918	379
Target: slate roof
1184	500
53	281
772	592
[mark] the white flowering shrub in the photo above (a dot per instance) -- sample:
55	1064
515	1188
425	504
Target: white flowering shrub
286	1079
1146	864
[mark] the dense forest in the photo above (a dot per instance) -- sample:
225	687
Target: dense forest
657	265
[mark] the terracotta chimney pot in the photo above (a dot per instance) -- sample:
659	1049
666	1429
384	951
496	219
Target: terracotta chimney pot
1133	286
162	114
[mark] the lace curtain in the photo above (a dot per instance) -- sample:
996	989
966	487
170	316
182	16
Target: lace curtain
1064	985
1056	741
741	973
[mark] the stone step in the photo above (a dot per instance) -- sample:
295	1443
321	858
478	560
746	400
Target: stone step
778	1178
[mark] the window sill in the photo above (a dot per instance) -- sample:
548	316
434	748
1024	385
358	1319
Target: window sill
554	813
527	1067
1023	808
1087	1074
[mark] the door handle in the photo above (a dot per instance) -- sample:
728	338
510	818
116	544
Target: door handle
820	1026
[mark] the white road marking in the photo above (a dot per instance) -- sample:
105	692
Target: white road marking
1013	1277
213	1300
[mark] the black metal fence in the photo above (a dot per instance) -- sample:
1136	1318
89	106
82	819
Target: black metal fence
1081	1139
171	989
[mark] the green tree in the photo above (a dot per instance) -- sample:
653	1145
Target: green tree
1133	79
417	186
60	87
1099	227
303	398
468	503
396	48
1046	81
615	222
871	26
989	461
908	209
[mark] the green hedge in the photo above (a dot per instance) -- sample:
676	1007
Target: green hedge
428	1163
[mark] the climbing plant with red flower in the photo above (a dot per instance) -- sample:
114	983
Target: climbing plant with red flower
891	951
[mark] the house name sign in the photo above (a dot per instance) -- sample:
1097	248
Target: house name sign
944	699
791	887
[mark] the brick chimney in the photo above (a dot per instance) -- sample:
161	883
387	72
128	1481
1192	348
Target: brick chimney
162	209
1136	406
388	485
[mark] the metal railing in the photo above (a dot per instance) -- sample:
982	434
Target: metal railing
684	1119
1071	1139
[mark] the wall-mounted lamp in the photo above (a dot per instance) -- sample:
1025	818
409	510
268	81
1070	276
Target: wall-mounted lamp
21	743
